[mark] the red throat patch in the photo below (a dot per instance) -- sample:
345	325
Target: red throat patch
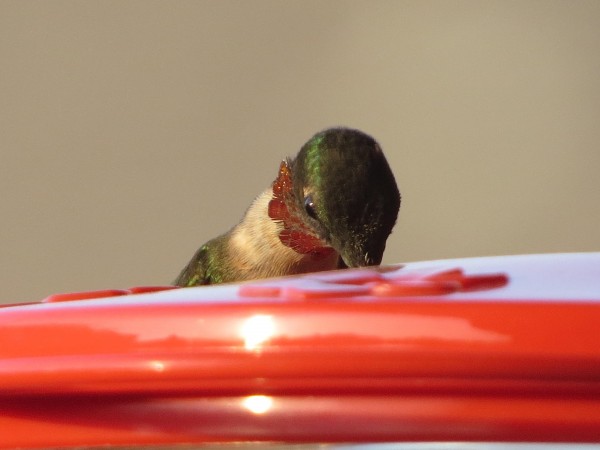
295	234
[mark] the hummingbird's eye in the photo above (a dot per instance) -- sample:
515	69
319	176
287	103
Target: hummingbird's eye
309	206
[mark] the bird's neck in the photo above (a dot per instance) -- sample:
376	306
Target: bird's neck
294	233
265	244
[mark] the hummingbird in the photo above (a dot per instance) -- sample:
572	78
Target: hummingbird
333	206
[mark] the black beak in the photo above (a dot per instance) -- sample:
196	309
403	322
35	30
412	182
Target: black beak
362	255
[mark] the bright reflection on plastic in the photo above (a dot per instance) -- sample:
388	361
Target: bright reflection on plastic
157	366
258	404
256	330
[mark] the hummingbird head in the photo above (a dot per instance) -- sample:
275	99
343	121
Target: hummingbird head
337	194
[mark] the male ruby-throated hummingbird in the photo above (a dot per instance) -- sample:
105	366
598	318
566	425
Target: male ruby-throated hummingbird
332	206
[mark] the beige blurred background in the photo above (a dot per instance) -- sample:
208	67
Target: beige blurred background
133	131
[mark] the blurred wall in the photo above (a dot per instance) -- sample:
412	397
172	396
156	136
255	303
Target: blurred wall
133	131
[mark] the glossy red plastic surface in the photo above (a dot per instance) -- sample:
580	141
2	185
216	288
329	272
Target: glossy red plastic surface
487	349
